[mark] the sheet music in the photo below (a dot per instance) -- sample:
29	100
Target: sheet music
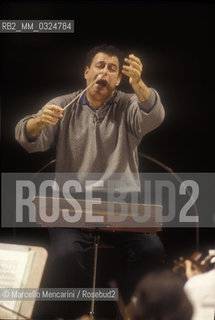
14	270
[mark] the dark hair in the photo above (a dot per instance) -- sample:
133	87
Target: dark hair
161	296
108	49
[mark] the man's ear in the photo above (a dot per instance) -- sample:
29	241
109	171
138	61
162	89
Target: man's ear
119	79
86	72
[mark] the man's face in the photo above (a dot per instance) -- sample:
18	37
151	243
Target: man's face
108	66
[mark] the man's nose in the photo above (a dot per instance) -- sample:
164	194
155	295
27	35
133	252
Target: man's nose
102	74
104	71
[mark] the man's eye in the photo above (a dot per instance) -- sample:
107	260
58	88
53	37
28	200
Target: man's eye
112	68
100	66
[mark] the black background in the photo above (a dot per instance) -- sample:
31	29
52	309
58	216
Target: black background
174	40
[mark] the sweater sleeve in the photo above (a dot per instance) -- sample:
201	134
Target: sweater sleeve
42	142
47	136
143	117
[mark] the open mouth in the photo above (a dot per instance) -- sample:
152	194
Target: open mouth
102	82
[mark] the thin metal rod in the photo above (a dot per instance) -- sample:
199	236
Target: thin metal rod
96	244
168	169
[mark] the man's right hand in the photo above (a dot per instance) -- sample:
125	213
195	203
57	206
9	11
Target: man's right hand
50	116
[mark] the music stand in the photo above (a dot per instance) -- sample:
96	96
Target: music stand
34	279
152	225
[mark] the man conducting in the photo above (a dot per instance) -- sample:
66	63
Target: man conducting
99	132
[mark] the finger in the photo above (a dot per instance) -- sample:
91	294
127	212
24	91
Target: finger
131	68
53	107
50	112
53	111
134	64
131	71
134	58
50	117
126	73
51	122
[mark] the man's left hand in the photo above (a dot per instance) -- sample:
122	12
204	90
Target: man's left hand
133	70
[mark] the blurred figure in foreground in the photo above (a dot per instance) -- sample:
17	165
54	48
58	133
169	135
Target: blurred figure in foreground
161	296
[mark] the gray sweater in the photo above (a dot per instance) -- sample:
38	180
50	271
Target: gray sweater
102	141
